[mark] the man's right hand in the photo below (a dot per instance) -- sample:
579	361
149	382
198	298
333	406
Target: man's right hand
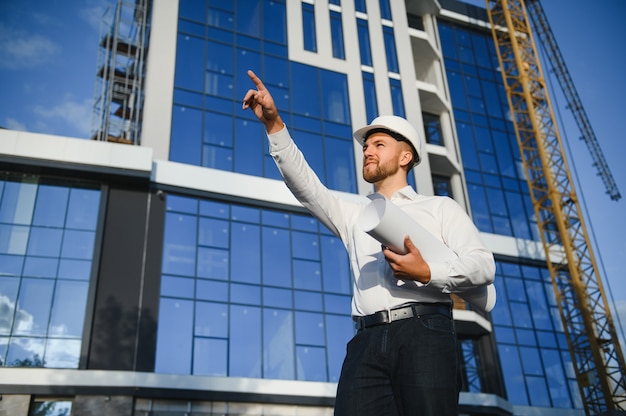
262	104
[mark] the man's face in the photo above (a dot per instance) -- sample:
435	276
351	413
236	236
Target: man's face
381	157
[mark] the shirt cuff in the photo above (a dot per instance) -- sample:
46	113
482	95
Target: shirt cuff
280	139
438	275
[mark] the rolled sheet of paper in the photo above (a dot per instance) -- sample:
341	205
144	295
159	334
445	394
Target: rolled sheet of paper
388	224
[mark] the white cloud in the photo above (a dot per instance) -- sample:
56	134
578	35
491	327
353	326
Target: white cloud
13	124
21	50
76	115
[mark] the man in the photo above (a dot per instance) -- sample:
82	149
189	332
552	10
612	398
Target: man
403	359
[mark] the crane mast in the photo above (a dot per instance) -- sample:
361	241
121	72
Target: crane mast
591	336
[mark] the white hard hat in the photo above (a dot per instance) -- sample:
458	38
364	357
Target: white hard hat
398	128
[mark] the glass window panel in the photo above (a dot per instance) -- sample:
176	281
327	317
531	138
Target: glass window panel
217	157
211	320
371	100
25	352
515	289
213	233
248	17
276	72
309	328
191	9
220	18
340	167
359	5
34	302
309	301
538	305
397	100
218	129
213	263
531	361
385	9
210	290
305	245
83	209
214	209
278	345
180	287
337	304
249	148
546	339
307	275
505	335
246	245
390	49
245	214
339	331
306	94
364	43
219	85
245	342
68	309
174	337
521	315
308	27
8	297
10	265
246	294
538	392
275	22
276	257
275	218
280	298
220	58
511	369
40	267
336	105
62	353
555	376
311	363
51	206
78	244
179	252
191	28
335	266
336	30
210	357
182	204
190	52
18	203
525	337
303	222
45	241
74	269
186	137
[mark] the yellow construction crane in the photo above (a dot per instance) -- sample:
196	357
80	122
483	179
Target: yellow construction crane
591	336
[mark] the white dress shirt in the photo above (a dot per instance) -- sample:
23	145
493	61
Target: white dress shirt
375	287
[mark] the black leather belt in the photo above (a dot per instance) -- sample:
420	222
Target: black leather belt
403	312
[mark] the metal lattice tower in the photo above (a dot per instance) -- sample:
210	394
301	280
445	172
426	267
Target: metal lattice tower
121	65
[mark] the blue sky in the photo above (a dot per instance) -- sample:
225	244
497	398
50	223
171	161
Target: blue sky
48	60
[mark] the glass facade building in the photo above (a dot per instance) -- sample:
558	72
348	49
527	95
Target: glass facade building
181	277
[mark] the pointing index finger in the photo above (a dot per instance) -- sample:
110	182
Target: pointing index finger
257	81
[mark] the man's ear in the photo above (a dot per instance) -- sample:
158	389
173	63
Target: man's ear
406	159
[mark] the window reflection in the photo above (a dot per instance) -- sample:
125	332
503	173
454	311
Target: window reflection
47	234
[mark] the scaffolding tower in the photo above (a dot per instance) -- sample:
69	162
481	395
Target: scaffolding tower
119	91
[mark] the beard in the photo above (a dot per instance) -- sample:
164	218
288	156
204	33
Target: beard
380	171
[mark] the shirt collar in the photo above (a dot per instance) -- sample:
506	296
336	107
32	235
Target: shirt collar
406	193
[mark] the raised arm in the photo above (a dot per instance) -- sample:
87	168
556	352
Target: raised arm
262	104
